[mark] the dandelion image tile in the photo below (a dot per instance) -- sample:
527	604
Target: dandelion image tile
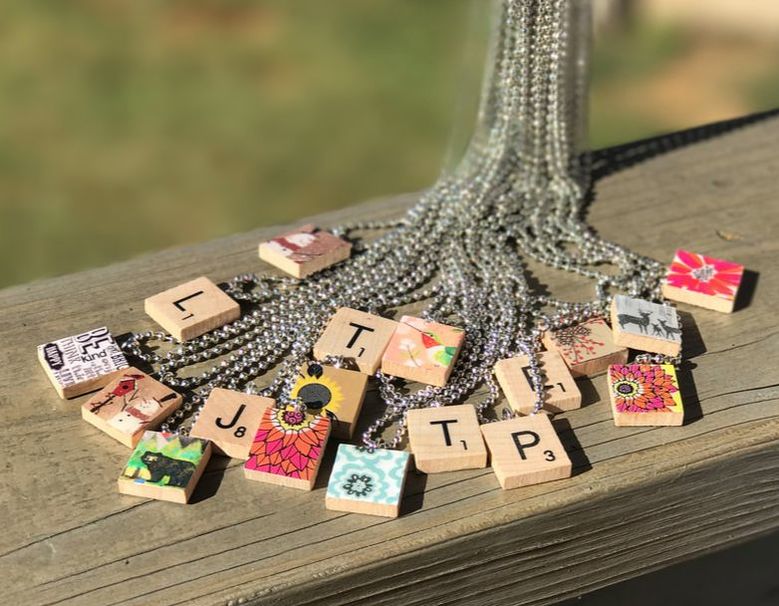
584	341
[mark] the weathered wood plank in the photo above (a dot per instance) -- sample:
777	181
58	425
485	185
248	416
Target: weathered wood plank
641	498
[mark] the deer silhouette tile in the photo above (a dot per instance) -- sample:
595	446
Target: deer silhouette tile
646	326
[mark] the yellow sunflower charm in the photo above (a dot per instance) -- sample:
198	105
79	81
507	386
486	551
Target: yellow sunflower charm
335	392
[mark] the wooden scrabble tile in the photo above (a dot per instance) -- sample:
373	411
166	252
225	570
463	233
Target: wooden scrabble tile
130	405
703	281
562	393
288	448
587	348
82	363
165	466
335	392
359	337
526	451
646	326
367	482
422	351
229	419
305	251
192	309
447	438
645	394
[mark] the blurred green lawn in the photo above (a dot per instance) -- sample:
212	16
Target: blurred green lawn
132	125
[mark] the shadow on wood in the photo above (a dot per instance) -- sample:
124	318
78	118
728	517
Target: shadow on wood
692	341
746	291
579	461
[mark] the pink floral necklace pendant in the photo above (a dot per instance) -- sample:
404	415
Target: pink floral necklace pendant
288	447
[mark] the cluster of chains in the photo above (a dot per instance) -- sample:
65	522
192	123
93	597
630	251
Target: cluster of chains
518	192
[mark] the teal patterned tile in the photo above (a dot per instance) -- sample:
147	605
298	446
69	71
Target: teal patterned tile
365	482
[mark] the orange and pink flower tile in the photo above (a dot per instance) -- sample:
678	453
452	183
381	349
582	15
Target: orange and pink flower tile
288	448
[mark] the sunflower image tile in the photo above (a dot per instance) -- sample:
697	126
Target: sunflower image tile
645	395
337	393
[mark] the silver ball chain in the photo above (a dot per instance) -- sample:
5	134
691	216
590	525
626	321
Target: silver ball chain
519	190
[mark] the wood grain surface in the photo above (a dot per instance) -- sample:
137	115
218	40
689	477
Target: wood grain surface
640	498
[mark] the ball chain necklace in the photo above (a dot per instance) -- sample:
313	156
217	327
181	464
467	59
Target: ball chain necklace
518	191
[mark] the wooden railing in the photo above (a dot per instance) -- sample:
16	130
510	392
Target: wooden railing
640	498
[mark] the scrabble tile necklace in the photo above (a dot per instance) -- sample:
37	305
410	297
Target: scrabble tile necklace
457	255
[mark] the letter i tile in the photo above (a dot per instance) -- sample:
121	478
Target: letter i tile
645	395
230	420
367	482
165	466
446	438
561	391
288	448
525	451
131	404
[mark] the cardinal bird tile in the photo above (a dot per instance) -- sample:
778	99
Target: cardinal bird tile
131	404
703	281
305	251
422	351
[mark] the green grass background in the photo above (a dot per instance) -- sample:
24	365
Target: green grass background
133	125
